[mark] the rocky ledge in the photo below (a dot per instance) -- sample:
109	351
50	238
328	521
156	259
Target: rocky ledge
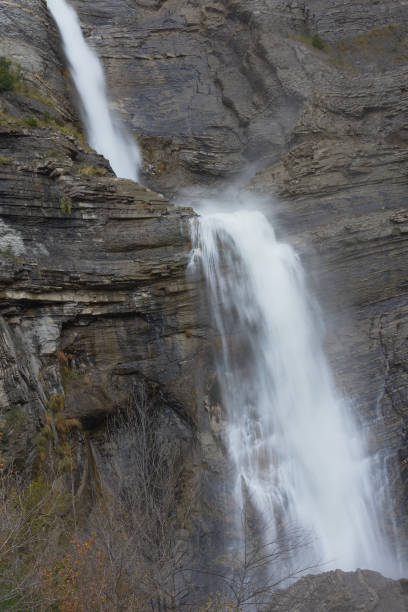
343	592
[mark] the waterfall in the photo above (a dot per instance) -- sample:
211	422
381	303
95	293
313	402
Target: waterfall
104	133
295	447
297	453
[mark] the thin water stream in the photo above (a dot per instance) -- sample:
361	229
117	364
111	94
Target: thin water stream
105	133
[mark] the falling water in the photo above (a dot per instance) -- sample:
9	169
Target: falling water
297	453
104	133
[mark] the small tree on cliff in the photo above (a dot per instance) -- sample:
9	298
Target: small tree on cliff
8	75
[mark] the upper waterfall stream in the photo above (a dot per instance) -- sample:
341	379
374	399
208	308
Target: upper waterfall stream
104	132
295	447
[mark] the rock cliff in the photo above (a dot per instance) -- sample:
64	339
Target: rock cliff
308	99
95	300
313	97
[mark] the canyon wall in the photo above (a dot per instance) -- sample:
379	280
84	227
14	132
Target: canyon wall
303	101
312	97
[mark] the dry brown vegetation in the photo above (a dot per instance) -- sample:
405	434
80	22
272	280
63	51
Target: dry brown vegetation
125	552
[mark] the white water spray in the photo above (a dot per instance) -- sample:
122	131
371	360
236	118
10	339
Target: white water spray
296	450
104	133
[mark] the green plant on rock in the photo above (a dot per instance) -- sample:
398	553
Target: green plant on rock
5	160
89	170
31	121
65	203
56	404
70	130
9	76
46	118
54	436
317	42
46	121
28	91
65	363
12	79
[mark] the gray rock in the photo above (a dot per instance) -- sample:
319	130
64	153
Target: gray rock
343	592
239	83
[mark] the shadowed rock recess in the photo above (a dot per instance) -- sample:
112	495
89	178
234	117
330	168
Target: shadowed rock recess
94	295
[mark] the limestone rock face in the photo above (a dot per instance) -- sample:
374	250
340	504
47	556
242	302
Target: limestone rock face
29	38
94	296
93	268
95	299
314	95
342	592
222	85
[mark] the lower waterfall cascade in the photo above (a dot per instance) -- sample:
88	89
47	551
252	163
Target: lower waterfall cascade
294	445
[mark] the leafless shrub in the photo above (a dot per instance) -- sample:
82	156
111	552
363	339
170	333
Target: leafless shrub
262	564
136	521
132	551
30	516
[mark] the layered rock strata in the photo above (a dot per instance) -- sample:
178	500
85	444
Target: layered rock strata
94	295
315	94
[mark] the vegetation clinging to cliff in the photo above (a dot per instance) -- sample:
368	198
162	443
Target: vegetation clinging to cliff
9	76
